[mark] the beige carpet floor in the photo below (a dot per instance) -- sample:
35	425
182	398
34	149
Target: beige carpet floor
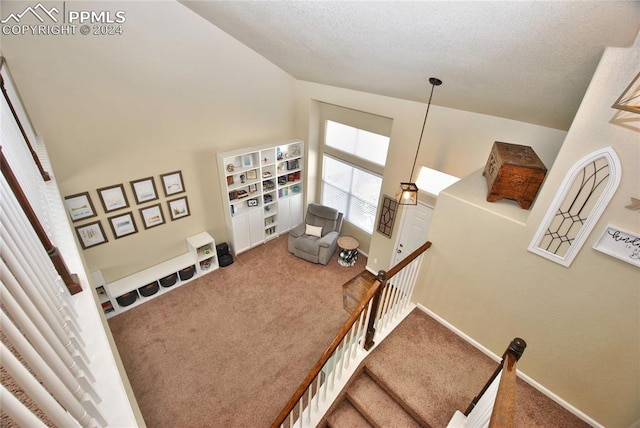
228	349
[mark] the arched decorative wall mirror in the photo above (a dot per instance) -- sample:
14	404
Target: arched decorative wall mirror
582	197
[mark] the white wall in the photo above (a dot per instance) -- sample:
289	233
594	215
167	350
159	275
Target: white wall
582	322
167	94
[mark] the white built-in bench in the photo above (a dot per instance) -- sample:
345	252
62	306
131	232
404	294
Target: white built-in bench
154	273
201	255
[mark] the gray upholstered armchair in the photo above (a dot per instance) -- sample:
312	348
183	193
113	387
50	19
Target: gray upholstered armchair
316	239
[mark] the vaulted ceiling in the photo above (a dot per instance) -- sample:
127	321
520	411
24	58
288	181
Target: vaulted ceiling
529	61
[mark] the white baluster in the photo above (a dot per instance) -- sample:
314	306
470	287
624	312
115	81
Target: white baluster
74	399
47	326
37	276
35	390
22	274
28	245
18	413
77	384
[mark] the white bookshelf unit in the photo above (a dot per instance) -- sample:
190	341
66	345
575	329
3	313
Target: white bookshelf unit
135	289
262	190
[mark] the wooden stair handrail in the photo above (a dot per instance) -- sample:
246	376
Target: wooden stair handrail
70	279
313	373
502	415
44	174
355	315
503	409
407	260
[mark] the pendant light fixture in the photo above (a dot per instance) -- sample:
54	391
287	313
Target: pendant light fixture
408	192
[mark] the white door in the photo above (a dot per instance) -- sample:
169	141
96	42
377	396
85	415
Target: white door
413	230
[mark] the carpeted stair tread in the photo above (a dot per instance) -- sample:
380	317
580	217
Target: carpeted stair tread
426	367
381	409
347	416
435	373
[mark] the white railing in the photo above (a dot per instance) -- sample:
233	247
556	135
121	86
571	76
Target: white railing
48	339
332	378
53	339
389	299
19	155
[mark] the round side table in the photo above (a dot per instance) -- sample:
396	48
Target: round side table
348	254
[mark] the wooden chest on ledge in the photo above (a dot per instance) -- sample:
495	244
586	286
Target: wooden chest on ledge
513	172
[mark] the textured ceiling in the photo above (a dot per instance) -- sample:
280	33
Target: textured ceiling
522	60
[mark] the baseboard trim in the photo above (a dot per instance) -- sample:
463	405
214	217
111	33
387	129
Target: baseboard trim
523	376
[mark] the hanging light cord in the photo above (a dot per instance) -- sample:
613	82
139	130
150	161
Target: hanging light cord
434	81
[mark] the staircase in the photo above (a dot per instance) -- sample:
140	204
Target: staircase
420	375
420	372
369	402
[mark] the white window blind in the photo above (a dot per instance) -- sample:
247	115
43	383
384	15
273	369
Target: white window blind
352	191
358	142
354	155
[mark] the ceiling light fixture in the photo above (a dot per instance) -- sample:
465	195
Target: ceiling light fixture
408	192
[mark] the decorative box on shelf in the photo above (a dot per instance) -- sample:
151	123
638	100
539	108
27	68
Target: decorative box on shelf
513	172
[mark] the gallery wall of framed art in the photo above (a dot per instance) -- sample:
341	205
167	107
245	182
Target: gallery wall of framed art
145	205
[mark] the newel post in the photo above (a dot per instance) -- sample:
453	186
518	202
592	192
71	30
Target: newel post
375	304
70	280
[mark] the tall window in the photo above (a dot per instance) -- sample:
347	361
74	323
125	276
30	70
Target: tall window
350	182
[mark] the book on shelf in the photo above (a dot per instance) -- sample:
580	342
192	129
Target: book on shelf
107	307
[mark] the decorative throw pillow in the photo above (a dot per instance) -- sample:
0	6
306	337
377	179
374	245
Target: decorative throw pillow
314	230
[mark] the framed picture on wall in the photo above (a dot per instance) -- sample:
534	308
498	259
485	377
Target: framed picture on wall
152	216
91	234
619	243
247	161
79	206
113	198
122	225
178	208
144	190
172	183
387	215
